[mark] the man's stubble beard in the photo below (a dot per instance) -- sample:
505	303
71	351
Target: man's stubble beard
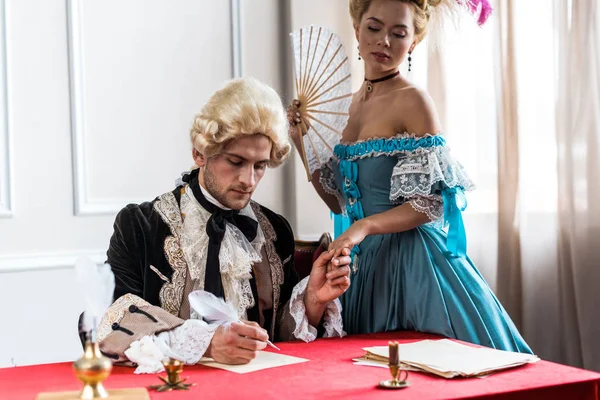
213	188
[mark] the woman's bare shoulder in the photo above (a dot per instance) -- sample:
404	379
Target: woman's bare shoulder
419	115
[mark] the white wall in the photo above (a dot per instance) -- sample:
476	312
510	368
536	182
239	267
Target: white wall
262	58
100	98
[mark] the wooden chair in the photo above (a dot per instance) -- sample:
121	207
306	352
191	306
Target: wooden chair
306	252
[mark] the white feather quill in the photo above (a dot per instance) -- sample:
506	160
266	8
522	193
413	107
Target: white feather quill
214	309
96	284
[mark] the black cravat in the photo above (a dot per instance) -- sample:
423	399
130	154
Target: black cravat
215	228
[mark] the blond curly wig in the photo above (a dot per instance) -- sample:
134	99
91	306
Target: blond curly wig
244	106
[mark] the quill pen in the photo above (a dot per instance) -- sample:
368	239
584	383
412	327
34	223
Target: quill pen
214	309
96	284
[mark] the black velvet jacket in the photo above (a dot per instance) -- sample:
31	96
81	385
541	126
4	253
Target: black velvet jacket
147	261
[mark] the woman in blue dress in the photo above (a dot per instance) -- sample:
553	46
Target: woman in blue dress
394	177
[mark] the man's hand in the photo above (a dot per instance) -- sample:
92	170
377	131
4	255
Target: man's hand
324	286
237	343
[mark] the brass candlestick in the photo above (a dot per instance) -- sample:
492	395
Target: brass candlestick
394	364
92	369
173	368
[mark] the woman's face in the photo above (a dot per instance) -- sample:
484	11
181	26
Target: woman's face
385	35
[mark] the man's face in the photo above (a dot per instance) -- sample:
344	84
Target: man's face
232	176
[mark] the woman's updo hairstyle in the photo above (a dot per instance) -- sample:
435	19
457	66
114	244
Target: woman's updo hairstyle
423	10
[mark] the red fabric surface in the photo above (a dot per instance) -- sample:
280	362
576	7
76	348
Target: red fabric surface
329	375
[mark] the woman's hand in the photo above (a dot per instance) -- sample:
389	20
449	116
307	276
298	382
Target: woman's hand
354	235
294	118
293	113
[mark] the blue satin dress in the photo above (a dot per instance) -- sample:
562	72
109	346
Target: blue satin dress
420	279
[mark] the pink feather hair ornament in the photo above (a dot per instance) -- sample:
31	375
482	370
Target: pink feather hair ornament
481	9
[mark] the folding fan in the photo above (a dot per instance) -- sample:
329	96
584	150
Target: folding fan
324	91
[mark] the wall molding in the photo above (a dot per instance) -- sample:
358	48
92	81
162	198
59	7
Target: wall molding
6	170
47	261
236	38
82	203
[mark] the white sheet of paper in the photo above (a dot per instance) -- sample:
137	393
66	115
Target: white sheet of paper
264	360
358	361
370	363
448	356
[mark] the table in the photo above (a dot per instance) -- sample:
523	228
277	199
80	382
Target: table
329	375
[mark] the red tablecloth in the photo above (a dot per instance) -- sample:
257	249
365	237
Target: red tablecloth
329	374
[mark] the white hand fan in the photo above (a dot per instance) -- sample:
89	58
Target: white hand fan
324	91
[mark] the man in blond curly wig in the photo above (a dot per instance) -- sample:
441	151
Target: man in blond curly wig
208	235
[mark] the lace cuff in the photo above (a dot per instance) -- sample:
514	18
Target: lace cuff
332	318
187	342
327	181
333	324
146	354
432	206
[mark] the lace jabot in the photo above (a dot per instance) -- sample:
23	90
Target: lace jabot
236	257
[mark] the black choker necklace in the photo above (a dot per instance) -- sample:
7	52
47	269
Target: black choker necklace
370	82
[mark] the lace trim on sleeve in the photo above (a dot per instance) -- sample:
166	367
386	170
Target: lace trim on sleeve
432	206
415	174
188	343
333	324
332	318
327	181
146	354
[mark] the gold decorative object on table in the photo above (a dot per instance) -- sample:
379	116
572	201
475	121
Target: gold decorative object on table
96	284
173	368
92	369
394	363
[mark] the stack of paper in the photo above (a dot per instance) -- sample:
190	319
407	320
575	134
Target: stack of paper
447	358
